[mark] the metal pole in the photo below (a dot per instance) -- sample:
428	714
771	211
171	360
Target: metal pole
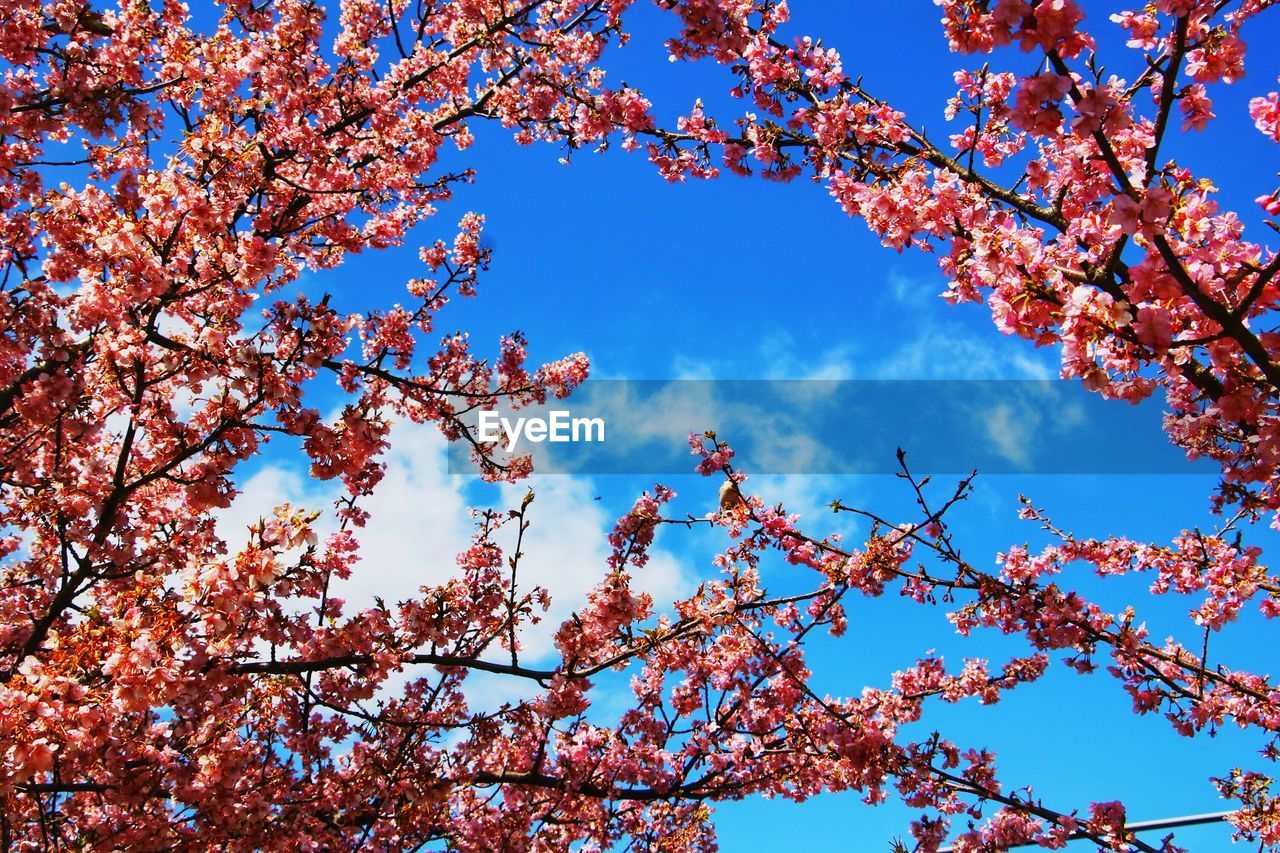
1147	825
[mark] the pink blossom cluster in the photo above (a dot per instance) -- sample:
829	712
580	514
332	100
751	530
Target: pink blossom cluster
167	684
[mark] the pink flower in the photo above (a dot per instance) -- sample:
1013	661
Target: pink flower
1154	327
1265	113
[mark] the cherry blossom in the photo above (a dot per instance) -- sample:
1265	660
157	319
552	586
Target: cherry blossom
165	185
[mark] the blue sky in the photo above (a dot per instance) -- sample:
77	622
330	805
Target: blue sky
748	279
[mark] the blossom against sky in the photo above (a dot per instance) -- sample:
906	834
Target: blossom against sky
750	279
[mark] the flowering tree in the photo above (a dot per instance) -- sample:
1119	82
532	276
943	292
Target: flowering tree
161	686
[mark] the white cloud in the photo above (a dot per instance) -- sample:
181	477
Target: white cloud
1011	432
565	550
927	347
945	350
685	367
810	496
779	353
266	489
774	356
931	345
1021	426
419	521
909	290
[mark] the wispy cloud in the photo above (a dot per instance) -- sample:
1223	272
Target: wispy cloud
419	522
948	350
911	290
932	341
